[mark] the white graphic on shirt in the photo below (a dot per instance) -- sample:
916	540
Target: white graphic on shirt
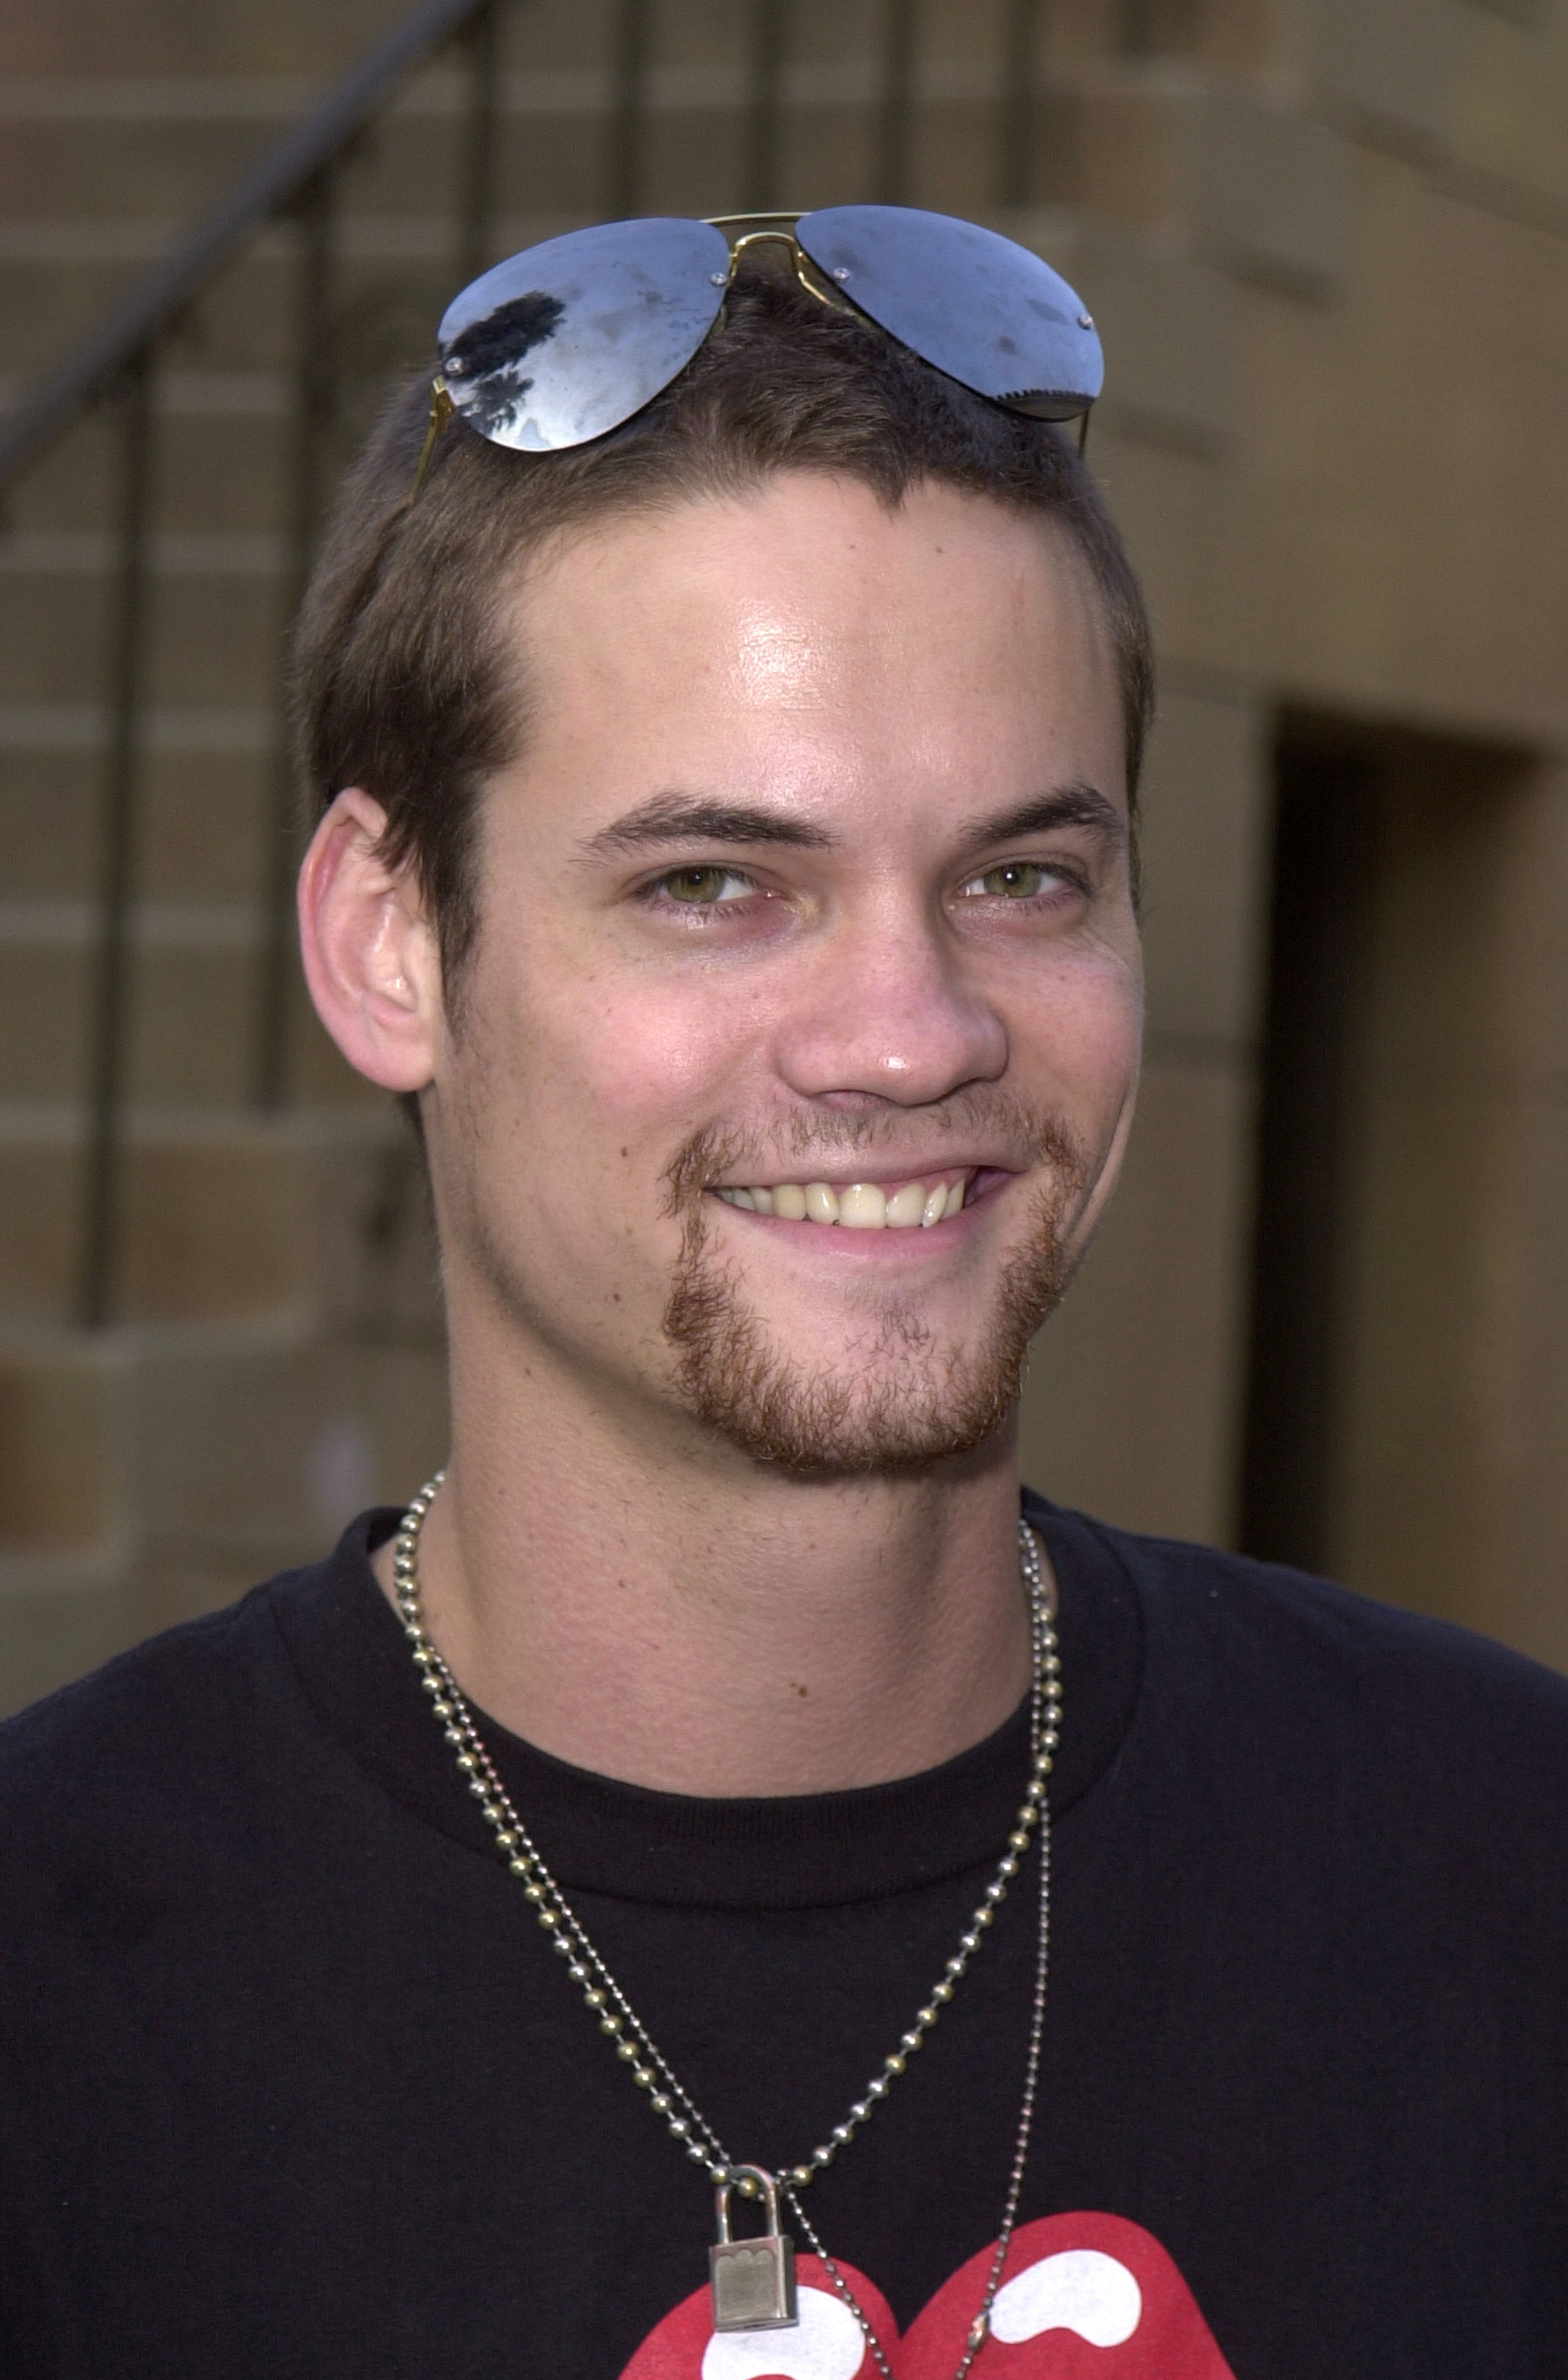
825	2344
1079	2290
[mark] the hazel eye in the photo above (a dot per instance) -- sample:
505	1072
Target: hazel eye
1016	880
702	887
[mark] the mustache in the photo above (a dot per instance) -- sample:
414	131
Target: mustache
1013	1132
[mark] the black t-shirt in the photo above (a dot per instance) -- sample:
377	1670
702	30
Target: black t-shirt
291	2084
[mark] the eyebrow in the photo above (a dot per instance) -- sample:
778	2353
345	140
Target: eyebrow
681	817
1076	803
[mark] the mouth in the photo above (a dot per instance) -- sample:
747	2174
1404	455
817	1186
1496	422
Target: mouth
902	1206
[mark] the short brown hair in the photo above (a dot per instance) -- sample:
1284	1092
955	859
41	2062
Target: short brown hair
404	682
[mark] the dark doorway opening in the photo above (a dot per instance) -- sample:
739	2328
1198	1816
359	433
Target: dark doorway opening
1406	1135
1325	821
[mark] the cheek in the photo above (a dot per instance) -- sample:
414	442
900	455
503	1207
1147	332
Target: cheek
1081	1037
605	1060
663	1054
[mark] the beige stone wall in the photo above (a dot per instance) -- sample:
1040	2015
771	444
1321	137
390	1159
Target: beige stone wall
1376	528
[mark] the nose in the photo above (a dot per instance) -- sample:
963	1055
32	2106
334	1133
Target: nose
889	1012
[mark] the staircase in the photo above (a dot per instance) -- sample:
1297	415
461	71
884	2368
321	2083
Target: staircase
252	1350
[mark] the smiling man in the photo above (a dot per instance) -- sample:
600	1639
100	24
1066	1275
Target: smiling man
662	1836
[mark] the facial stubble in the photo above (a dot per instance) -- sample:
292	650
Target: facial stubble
898	1402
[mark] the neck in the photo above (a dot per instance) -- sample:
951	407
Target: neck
648	1604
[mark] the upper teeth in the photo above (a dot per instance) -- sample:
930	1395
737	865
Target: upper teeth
861	1206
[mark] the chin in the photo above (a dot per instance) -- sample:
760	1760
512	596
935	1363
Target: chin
894	1400
821	1428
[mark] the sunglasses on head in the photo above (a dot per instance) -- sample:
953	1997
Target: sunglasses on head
567	340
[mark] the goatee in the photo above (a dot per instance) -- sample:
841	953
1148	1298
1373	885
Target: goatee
898	1402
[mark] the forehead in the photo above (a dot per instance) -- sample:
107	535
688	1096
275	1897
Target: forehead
807	636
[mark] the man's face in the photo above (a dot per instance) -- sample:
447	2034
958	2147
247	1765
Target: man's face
812	884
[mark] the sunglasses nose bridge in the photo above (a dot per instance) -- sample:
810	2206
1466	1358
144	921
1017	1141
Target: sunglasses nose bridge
809	274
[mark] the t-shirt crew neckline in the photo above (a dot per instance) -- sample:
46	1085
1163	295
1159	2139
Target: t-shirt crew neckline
600	1835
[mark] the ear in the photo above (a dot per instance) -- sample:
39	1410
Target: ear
369	951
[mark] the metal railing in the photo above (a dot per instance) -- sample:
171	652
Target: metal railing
116	370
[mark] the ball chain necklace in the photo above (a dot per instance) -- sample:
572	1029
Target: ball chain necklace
635	2045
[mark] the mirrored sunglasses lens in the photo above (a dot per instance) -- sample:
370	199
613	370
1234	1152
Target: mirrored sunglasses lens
568	339
981	309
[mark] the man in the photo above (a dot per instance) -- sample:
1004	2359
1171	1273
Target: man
726	848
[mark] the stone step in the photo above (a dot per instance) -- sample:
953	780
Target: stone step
225	42
203	814
149	1473
58	279
221	1216
193	989
215	640
221	37
132	146
220	444
152	157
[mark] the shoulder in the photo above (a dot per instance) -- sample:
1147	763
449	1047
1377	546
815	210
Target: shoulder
1264	1614
1279	1667
1327	1634
215	1697
158	1682
133	1754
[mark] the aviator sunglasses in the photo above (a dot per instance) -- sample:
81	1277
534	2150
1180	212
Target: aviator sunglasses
567	340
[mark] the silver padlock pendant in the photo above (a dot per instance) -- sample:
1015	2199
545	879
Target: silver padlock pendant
753	2280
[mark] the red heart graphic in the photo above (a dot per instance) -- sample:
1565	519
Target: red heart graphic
1081	2294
